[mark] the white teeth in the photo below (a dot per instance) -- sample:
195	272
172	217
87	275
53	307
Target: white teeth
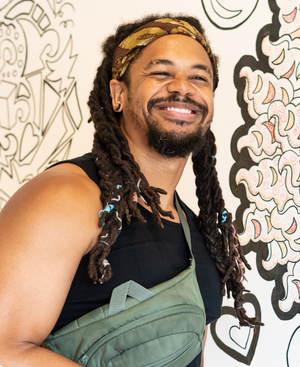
182	110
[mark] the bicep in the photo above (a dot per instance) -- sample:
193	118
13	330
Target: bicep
42	241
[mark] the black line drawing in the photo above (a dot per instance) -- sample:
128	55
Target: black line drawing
225	16
40	109
238	342
293	353
266	175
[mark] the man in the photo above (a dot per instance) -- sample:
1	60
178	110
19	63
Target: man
152	106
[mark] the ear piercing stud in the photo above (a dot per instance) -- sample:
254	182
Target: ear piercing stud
117	107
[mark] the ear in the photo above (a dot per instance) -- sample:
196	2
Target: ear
118	92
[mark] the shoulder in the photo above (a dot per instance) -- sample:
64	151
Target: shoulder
63	196
45	230
86	163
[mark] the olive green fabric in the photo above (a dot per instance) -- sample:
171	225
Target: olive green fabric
164	330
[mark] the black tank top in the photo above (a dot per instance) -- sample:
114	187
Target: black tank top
147	254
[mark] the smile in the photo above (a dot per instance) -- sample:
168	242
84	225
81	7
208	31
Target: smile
183	113
181	110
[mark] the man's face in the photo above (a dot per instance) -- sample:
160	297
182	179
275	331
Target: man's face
169	103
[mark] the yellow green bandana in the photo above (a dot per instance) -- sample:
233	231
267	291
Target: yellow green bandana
143	36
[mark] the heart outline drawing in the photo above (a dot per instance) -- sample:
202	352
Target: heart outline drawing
29	142
238	328
226	310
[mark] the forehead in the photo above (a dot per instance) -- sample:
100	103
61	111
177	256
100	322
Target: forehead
178	49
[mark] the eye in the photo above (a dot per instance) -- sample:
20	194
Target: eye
160	74
199	77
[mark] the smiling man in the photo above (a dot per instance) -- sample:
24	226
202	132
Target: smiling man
170	97
63	232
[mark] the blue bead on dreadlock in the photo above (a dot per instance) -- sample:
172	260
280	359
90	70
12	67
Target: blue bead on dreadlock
224	216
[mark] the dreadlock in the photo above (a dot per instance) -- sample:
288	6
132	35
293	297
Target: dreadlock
122	182
215	224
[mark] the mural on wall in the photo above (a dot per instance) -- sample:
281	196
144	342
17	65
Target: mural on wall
39	106
292	355
238	342
228	14
266	175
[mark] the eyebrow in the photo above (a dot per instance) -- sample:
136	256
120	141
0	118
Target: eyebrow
170	63
158	62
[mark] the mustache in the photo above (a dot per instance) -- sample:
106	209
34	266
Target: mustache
174	98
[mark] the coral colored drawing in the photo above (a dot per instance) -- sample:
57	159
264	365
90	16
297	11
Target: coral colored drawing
266	175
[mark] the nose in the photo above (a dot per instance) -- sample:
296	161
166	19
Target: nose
180	85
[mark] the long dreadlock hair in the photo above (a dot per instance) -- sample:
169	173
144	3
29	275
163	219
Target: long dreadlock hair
121	181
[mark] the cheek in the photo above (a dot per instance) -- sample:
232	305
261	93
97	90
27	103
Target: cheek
212	107
151	90
210	102
206	125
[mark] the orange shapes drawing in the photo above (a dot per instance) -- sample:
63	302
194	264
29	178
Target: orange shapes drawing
275	176
280	58
295	34
258	137
291	121
283	249
269	224
258	85
292	228
257	228
271	127
260	178
290	72
271	94
285	97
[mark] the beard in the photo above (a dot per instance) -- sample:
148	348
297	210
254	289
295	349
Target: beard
172	144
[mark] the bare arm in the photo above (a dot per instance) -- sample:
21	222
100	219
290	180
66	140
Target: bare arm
45	229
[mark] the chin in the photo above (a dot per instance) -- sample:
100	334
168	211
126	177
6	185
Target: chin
174	144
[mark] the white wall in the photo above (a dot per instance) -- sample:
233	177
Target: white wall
41	112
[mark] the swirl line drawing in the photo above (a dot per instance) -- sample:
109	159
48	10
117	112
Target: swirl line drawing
40	108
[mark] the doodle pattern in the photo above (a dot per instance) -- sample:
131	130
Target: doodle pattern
267	154
229	14
40	110
239	343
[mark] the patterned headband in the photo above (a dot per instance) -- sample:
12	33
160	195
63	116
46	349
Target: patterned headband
143	36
